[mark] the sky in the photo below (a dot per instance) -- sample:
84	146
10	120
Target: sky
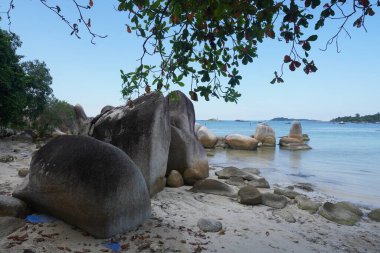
346	83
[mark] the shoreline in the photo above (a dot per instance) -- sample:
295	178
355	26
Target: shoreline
173	225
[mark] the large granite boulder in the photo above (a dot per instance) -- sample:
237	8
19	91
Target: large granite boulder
207	138
143	132
265	135
80	115
238	141
106	109
186	154
87	183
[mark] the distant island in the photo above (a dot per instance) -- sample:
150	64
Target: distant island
289	119
213	119
375	118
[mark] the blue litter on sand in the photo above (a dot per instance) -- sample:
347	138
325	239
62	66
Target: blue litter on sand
114	246
39	218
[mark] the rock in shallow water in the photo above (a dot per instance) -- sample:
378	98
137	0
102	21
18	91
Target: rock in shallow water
236	181
87	183
274	200
212	186
209	225
339	213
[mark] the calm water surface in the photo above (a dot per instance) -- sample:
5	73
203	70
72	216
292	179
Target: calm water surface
344	161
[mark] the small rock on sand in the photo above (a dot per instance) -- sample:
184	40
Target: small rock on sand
305	203
249	195
274	200
175	179
7	159
375	215
339	213
209	225
236	181
10	206
212	186
23	172
287	193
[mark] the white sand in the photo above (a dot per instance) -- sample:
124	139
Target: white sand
173	225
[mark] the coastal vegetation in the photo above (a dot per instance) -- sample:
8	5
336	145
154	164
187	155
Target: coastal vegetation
204	43
374	118
24	86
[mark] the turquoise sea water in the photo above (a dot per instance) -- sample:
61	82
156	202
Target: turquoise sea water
344	161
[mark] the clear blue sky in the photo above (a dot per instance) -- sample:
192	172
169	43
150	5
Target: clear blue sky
345	84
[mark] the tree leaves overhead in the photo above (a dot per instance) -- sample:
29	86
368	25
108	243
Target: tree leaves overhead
204	42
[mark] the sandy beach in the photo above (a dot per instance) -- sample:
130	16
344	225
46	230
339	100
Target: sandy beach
173	225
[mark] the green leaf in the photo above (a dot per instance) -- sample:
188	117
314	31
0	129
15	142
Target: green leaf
312	38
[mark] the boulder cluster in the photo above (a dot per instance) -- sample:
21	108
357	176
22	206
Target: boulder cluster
102	179
264	136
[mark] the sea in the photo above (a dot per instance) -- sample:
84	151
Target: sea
343	164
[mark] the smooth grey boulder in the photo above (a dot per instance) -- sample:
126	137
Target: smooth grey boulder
212	186
265	135
339	214
142	132
274	200
375	215
351	207
287	193
305	203
231	171
186	154
257	181
10	206
249	195
106	109
87	183
236	181
209	225
174	179
8	225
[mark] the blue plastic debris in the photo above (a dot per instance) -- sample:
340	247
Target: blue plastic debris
39	218
114	246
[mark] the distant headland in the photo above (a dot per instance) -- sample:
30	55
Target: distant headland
375	118
290	119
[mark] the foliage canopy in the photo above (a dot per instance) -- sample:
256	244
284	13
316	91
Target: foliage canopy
205	42
24	87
